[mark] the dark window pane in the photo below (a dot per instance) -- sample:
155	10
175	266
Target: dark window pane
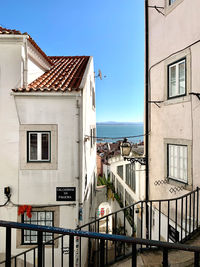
45	146
33	146
120	171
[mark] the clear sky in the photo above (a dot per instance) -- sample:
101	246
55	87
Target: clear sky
112	31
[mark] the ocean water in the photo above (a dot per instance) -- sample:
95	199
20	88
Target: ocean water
120	131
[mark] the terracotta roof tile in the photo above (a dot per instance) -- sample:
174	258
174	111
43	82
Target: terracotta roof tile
65	75
9	31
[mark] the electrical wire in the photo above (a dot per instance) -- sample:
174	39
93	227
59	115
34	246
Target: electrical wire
3	205
114	138
42	206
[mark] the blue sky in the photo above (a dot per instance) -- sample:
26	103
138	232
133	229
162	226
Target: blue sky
111	31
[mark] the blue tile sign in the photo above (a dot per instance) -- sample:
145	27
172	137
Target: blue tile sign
65	193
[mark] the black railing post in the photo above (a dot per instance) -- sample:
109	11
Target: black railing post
134	255
71	251
102	253
62	250
159	222
196	259
89	247
8	247
197	207
165	257
181	219
107	240
168	212
40	249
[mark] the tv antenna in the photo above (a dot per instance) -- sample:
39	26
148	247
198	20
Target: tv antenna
100	75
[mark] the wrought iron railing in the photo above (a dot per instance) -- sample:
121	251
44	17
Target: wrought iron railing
39	260
174	220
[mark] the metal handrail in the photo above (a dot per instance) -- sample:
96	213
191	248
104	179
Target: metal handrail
136	203
94	235
97	220
165	246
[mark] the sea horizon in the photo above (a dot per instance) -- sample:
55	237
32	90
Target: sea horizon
115	131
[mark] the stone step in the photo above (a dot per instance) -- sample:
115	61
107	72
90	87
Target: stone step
176	258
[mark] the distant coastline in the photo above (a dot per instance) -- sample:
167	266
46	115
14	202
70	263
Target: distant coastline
111	131
119	123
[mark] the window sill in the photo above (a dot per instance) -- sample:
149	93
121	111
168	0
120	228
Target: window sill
177	100
174	182
170	8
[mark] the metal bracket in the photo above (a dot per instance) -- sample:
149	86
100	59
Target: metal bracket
156	103
157	9
197	94
141	160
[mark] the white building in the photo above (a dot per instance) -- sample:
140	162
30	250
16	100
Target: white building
47	110
174	87
128	180
174	51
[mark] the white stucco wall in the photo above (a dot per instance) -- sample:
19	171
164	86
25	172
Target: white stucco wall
34	71
171	37
73	115
139	193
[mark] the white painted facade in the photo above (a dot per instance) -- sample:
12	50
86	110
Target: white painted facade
139	174
173	36
68	115
129	193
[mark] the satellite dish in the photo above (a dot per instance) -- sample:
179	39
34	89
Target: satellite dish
100	74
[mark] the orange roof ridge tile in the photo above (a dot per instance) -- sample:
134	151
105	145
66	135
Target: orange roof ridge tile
65	75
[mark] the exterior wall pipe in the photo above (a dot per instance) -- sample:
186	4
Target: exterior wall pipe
147	108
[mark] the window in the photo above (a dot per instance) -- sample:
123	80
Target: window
120	171
93	97
94	136
130	176
177	79
177	162
171	2
120	190
39	218
128	199
38	146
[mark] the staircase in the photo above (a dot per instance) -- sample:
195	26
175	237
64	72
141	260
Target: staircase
158	228
154	258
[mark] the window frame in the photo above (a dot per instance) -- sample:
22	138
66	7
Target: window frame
38	165
169	7
120	171
171	181
176	63
130	176
168	164
44	234
56	218
49	147
170	2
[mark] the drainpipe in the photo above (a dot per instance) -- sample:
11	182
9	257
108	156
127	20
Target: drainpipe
26	64
78	173
147	111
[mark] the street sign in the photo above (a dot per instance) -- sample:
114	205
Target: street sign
173	234
65	193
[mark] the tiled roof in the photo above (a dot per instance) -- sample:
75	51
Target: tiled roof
65	75
9	31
